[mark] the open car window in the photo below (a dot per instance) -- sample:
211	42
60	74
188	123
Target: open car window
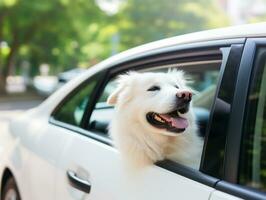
204	78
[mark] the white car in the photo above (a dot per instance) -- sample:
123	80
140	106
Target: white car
61	150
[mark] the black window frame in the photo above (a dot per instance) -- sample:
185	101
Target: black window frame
165	56
214	148
229	183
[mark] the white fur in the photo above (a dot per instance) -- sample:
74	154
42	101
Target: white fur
140	143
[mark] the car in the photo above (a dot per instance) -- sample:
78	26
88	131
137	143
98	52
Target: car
66	76
45	85
62	150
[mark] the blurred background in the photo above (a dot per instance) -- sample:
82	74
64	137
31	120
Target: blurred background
45	43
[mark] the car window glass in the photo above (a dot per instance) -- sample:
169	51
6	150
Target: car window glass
253	153
73	108
204	78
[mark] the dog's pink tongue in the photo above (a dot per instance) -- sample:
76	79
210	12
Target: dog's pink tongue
178	122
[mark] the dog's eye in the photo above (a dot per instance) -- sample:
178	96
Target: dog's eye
154	88
177	86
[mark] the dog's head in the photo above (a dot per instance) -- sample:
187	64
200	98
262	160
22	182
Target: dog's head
159	102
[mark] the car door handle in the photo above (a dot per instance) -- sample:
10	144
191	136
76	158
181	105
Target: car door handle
78	183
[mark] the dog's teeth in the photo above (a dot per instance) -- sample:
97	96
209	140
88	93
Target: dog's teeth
158	118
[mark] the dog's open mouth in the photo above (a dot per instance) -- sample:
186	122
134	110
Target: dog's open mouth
170	121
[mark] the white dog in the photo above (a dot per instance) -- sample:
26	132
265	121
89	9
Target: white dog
154	120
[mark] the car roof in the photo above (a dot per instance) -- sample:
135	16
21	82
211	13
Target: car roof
232	32
242	31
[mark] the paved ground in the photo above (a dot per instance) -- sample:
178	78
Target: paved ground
18	105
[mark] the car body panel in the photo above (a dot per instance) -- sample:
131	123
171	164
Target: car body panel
101	165
33	155
12	158
217	195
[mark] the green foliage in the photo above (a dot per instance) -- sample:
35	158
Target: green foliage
149	20
66	33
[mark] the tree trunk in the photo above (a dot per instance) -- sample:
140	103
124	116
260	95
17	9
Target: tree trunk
9	64
3	14
1	39
2	86
10	61
2	77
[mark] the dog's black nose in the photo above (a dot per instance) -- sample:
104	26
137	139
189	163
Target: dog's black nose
184	96
183	101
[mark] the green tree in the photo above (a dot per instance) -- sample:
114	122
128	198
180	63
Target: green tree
150	20
43	31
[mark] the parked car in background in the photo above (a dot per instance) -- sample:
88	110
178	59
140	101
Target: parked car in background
61	149
46	85
66	76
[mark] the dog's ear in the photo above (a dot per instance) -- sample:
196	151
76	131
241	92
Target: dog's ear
123	81
112	99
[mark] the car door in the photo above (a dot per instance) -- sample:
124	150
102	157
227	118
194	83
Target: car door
245	164
91	168
36	156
